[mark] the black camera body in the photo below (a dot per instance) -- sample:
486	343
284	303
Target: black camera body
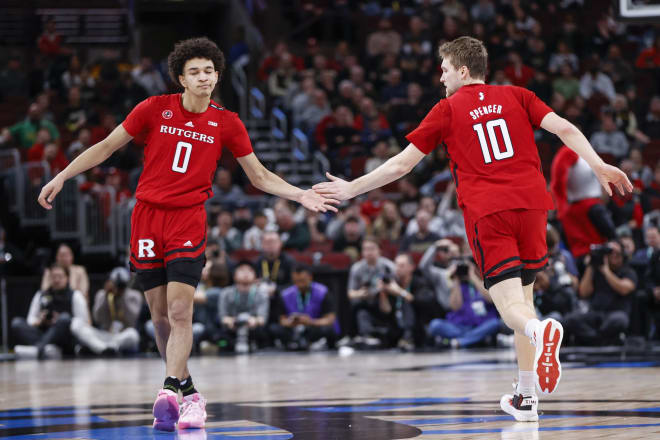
462	268
597	253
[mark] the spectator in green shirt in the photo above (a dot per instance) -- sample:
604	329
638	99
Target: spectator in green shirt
24	133
567	84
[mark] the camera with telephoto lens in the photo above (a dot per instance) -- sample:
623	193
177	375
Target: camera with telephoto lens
242	319
597	253
462	268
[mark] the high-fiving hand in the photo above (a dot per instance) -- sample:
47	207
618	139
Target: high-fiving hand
337	188
317	202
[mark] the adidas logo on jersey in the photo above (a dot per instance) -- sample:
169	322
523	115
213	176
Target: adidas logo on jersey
213	123
188	244
189	124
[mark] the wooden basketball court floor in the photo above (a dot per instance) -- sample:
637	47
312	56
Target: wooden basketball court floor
320	396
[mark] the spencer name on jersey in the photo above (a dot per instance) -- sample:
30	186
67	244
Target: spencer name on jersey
182	149
485	110
187	133
489	137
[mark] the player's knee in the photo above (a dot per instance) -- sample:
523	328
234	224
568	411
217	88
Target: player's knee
180	311
161	323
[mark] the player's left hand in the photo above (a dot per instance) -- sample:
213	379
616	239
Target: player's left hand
316	202
609	174
337	188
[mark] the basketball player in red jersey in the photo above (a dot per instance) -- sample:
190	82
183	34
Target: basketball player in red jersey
185	135
488	134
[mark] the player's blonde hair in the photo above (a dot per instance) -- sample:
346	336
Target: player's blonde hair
468	52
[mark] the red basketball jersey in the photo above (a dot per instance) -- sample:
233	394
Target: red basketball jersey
489	137
182	149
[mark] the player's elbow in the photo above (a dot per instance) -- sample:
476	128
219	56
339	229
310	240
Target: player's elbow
259	178
565	128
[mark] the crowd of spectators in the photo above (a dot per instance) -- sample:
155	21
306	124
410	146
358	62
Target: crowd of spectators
410	281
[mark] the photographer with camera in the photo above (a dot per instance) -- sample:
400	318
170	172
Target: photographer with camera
441	252
608	283
47	331
306	313
363	290
243	311
115	312
556	284
473	316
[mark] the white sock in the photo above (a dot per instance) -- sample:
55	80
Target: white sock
526	385
530	327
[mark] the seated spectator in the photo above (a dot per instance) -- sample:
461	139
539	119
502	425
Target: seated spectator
395	90
336	224
230	238
388	225
652	287
76	274
24	133
380	154
555	289
595	81
434	266
649	58
253	236
626	121
273	268
499	79
282	80
392	321
651	196
408	113
103	130
642	257
364	282
294	234
608	139
313	112
410	196
50	41
243	311
301	98
80	144
75	113
426	203
77	75
371	207
47	331
49	152
383	41
206	327
651	126
115	312
316	226
518	73
147	76
225	192
607	283
423	238
350	239
12	79
641	173
306	314
563	57
473	317
450	214
567	85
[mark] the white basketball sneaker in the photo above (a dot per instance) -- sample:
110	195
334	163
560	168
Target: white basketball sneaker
524	408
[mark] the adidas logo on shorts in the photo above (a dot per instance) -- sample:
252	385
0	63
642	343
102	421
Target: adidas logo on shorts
188	244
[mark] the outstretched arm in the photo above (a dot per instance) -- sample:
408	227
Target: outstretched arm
576	141
90	158
271	183
395	168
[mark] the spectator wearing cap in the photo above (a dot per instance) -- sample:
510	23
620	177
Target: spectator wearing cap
115	313
306	313
423	237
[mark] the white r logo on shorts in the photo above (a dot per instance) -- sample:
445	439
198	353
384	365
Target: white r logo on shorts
146	246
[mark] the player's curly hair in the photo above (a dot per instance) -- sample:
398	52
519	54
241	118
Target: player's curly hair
194	48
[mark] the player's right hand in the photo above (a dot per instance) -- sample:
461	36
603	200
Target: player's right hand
609	174
49	191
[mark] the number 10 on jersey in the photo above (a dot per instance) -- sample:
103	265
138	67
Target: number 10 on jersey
494	144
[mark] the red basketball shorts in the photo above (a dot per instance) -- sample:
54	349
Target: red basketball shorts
508	244
167	244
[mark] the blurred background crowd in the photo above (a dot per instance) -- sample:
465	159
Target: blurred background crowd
392	268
